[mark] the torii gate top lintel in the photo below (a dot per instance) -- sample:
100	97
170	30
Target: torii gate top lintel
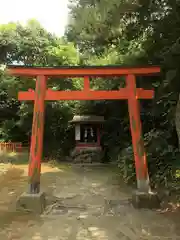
74	71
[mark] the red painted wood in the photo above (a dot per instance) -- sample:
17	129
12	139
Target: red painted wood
81	146
98	136
84	95
85	71
86	84
137	139
11	146
37	134
130	92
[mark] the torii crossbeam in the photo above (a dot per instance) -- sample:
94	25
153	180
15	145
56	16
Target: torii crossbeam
42	94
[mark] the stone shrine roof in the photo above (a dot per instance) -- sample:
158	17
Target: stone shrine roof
89	119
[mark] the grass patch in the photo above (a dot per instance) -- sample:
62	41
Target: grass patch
55	164
14	158
178	173
11	175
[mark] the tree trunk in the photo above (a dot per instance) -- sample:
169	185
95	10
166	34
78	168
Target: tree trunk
177	120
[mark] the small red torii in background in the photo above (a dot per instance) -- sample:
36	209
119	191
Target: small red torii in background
41	94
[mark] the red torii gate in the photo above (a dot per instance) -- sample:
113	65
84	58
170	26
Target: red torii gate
41	94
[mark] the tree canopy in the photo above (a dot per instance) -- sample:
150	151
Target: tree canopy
100	32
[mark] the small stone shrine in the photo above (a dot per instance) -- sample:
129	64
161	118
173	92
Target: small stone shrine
87	139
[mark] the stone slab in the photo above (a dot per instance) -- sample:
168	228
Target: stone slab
148	200
35	203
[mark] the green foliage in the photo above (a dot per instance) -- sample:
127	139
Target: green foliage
163	156
126	165
32	45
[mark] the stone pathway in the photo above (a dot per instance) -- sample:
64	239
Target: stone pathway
90	204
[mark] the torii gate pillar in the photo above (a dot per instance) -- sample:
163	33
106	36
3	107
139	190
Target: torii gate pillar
36	149
137	139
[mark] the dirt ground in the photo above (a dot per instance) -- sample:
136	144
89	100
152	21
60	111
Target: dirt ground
86	203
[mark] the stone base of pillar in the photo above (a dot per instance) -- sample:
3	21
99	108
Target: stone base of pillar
31	202
149	200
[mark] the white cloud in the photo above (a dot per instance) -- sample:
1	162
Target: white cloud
52	14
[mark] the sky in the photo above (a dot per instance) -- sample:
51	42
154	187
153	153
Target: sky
52	14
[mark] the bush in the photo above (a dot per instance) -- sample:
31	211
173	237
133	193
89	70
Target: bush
126	165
